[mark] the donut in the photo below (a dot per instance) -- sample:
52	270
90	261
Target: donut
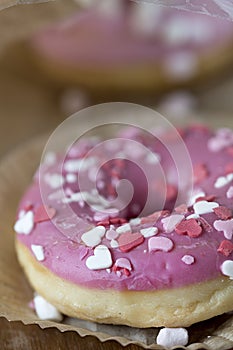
132	48
95	259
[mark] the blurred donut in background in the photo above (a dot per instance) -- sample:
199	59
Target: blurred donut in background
122	48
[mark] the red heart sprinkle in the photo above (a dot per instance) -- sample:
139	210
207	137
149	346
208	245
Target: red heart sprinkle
189	227
226	248
103	223
44	213
223	213
127	241
200	173
117	221
154	217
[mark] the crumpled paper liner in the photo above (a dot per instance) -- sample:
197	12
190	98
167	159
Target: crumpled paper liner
16	172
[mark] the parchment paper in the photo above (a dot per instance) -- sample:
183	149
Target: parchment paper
16	171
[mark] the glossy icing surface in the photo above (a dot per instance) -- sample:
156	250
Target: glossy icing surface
188	255
94	39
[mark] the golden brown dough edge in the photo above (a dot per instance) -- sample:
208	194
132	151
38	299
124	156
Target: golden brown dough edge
178	307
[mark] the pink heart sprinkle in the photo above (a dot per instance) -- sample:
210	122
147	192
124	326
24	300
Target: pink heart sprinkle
160	243
225	226
44	213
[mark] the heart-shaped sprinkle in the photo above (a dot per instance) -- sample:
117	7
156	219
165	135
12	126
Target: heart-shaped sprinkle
170	222
44	213
38	251
204	207
94	237
227	268
100	260
170	337
123	263
135	222
188	259
46	311
190	227
149	231
124	228
223	213
114	244
160	243
111	234
230	193
25	223
54	180
223	180
200	173
127	241
225	226
226	248
196	193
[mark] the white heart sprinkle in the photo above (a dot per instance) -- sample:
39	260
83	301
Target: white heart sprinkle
94	237
160	243
135	222
230	193
46	311
100	260
170	337
227	268
38	251
204	207
192	216
76	165
226	226
54	180
149	231
223	181
170	222
188	259
123	263
111	234
25	224
124	228
197	193
71	178
114	244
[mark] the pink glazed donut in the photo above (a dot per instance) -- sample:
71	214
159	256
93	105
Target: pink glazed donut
172	267
133	47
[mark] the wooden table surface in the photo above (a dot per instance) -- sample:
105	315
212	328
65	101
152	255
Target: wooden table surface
28	109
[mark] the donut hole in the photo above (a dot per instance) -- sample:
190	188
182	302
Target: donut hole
125	184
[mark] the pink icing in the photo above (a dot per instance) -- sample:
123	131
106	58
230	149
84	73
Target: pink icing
92	39
66	255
